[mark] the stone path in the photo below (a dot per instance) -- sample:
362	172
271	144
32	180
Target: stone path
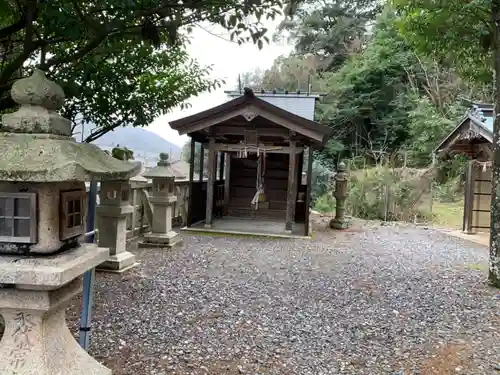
380	300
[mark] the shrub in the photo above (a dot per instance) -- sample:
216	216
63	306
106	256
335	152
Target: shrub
390	193
321	180
325	203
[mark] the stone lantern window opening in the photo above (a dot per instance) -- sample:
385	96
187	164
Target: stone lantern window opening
111	194
72	213
114	193
18	217
125	195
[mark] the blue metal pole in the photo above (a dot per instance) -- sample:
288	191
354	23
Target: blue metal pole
88	278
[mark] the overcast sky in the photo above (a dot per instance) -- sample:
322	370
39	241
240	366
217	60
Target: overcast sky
228	60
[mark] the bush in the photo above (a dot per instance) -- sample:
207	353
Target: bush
390	193
449	192
321	177
325	203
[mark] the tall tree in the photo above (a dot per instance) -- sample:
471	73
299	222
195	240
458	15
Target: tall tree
111	89
94	45
367	104
292	73
494	274
454	31
332	30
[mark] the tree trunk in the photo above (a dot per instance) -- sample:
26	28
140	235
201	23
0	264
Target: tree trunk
494	274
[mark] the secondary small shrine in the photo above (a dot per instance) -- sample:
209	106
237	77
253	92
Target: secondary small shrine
42	222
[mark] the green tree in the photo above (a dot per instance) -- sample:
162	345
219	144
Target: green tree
454	31
426	128
332	30
118	59
366	104
292	73
186	156
122	153
132	89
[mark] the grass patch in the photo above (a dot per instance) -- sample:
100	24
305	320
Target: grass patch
476	267
448	214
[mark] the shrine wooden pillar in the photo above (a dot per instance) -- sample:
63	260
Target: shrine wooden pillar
227	184
292	177
469	198
309	189
202	162
191	177
221	165
212	154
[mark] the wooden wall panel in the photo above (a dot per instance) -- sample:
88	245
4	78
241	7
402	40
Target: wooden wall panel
481	205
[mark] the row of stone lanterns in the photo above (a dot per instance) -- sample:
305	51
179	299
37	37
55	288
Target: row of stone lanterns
43	171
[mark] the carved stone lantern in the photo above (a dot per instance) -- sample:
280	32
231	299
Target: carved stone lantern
162	201
113	210
341	181
42	214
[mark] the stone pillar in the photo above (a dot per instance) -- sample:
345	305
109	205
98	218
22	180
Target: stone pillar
113	210
290	198
37	340
340	194
210	183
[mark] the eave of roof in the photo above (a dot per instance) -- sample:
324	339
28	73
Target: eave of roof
485	130
246	100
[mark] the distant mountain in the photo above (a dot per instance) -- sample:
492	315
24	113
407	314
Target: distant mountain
145	144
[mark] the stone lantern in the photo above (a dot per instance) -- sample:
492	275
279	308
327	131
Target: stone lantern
341	181
162	200
42	214
113	210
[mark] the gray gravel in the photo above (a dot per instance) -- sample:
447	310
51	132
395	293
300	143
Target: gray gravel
378	300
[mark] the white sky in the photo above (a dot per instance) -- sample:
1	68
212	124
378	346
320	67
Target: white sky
227	59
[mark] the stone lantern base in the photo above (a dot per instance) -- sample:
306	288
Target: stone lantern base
113	234
169	239
119	263
339	224
33	299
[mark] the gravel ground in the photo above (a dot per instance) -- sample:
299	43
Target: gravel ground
374	300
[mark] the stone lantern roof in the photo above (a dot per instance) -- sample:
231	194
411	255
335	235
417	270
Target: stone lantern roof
36	143
163	169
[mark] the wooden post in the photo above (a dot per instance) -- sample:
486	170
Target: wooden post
309	189
210	183
469	198
227	184
290	199
221	168
191	177
202	161
298	179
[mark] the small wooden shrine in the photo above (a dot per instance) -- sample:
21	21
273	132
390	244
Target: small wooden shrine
256	153
473	136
